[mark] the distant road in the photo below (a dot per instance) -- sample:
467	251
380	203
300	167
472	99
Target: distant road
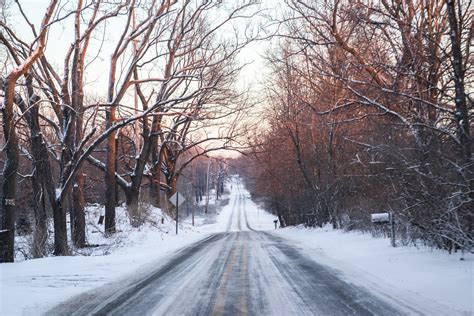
243	272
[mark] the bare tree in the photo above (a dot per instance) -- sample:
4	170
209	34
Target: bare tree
11	141
197	73
377	80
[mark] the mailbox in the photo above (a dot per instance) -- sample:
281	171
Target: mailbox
380	217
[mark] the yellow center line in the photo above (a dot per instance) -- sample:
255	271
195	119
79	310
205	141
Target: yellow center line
220	300
243	278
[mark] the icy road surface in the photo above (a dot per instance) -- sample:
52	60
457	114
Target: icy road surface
237	272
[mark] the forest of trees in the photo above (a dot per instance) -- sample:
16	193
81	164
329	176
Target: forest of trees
370	110
110	102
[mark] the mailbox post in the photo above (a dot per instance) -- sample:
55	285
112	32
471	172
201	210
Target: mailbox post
383	218
392	227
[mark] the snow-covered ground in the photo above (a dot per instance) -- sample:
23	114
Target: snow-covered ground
432	280
33	286
440	283
436	281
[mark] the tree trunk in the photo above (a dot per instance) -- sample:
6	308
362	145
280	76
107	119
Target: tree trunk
79	221
132	197
147	148
62	203
7	231
60	230
45	177
461	114
40	235
155	187
110	182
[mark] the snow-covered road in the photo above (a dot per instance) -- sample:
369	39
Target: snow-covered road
235	262
241	271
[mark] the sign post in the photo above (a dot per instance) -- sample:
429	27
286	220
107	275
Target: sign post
177	199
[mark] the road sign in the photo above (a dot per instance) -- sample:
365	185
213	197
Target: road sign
177	199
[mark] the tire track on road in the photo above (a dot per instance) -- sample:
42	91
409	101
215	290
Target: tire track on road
244	277
229	224
108	299
320	287
219	303
246	218
239	224
232	273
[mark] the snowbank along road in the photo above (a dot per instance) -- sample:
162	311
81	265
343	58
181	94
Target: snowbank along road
241	271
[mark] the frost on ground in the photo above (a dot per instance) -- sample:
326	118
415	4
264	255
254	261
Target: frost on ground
424	277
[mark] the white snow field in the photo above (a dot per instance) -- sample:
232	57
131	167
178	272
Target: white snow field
432	282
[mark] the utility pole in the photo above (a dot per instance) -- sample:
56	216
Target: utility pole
220	180
217	186
207	185
194	186
177	213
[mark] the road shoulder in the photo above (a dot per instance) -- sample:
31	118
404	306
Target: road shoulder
432	282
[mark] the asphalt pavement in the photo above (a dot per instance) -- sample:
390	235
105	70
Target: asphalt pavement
237	272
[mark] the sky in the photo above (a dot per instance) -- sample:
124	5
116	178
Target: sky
60	38
61	35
